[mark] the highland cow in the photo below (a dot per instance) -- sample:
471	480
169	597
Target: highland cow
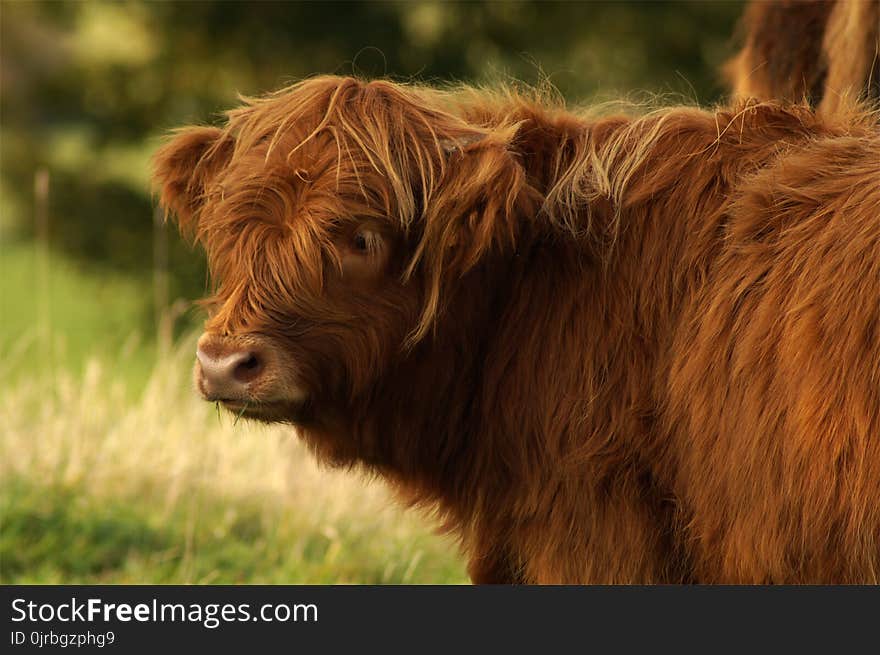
824	51
601	349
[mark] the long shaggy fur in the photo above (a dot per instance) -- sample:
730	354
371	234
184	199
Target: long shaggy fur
601	349
824	51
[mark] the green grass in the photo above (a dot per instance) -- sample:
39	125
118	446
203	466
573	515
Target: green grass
58	314
68	535
112	471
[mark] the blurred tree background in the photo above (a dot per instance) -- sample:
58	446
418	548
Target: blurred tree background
88	88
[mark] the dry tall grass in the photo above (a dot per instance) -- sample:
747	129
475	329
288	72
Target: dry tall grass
200	480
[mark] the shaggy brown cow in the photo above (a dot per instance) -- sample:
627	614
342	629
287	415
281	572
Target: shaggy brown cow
827	51
601	349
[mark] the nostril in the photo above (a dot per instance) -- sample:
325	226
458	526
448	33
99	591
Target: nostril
248	368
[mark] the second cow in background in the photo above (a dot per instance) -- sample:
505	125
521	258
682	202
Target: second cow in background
819	50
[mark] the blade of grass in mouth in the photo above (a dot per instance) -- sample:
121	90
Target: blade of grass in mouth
241	411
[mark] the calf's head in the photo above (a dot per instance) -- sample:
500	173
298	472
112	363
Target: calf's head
339	218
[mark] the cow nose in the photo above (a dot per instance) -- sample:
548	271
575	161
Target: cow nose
225	376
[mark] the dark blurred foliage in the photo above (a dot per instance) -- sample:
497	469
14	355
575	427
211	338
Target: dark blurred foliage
88	88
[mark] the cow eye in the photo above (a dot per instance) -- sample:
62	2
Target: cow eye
361	243
364	253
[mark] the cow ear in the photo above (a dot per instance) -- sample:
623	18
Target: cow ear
185	166
481	206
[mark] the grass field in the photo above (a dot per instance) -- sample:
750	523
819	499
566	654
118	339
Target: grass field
57	315
112	471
